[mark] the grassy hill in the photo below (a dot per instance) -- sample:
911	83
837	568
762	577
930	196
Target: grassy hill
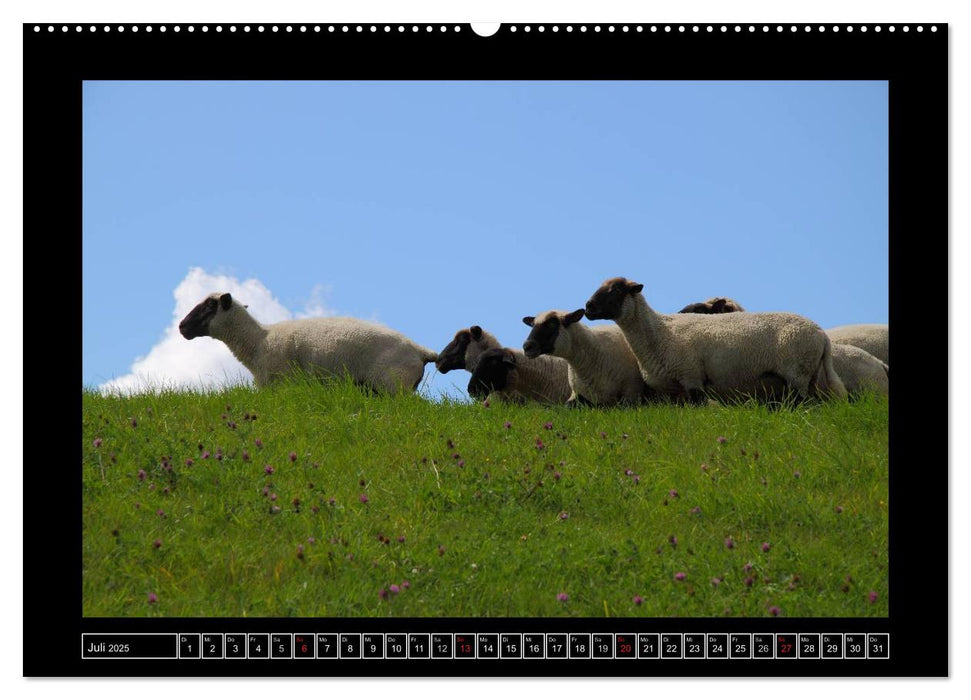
303	500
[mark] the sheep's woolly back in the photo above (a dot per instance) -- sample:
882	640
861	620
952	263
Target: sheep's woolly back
603	369
872	337
373	355
860	370
726	354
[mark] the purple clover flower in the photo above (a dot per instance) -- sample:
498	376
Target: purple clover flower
766	546
721	439
268	469
363	498
293	456
97	443
680	576
152	598
774	610
729	543
562	597
141	475
394	588
638	600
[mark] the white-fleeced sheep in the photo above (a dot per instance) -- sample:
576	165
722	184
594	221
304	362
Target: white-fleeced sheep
859	370
464	349
374	356
507	375
544	379
872	337
715	305
686	355
603	370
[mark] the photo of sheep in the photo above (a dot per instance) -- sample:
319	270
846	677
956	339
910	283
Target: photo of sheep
485	349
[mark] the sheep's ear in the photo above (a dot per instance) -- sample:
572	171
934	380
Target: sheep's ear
509	358
573	318
634	287
225	301
528	320
476	332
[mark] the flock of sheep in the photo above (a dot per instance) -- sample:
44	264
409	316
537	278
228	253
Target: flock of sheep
709	350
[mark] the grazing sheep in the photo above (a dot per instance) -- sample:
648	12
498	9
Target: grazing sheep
603	370
872	337
374	356
464	350
715	305
684	355
505	374
858	369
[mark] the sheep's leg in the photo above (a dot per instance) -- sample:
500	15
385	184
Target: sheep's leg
578	400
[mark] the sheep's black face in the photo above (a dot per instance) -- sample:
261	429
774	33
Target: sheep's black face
491	372
453	355
196	323
542	339
607	301
697	308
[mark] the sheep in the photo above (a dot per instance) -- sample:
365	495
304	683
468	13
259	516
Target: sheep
872	337
685	355
464	350
715	305
857	368
602	369
374	356
506	374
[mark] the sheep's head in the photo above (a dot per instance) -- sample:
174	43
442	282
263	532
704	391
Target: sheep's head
197	322
492	372
546	337
715	305
453	354
608	301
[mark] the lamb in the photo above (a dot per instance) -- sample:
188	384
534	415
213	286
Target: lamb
872	337
857	368
602	369
715	305
374	356
505	374
464	350
685	355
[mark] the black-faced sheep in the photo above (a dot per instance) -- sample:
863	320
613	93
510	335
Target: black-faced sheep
857	368
464	350
505	374
686	355
373	355
872	337
603	370
715	305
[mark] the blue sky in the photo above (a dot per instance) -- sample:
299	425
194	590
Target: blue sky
430	206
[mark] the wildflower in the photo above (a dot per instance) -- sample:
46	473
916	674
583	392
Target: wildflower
383	594
562	597
311	539
152	598
507	425
749	581
796	474
299	551
363	498
637	479
638	600
680	576
266	490
332	502
673	540
564	515
293	456
245	456
721	439
766	547
748	567
715	581
557	476
603	435
704	467
165	491
258	443
315	509
273	496
449	443
441	550
624	436
394	588
628	472
406	584
189	462
141	475
232	425
97	442
401	538
456	456
157	543
219	456
134	423
539	444
274	510
548	425
872	596
268	469
696	510
205	454
729	542
839	509
774	610
673	493
160	513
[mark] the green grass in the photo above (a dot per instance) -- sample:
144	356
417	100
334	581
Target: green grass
492	525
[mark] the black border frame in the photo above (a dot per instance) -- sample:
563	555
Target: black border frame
914	62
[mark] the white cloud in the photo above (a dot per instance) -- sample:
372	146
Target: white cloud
205	362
